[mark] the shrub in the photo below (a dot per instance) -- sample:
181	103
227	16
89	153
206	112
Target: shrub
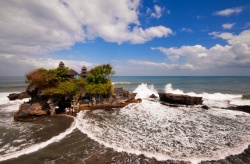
246	96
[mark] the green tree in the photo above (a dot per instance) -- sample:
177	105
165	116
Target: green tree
99	80
55	82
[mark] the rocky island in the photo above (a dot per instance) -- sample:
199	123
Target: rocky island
52	91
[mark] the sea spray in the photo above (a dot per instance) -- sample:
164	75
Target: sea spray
169	89
144	91
217	100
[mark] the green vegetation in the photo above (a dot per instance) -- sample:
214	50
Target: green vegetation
98	80
246	96
57	82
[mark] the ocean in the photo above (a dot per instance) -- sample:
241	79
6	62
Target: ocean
147	132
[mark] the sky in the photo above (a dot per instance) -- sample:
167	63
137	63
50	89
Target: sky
137	37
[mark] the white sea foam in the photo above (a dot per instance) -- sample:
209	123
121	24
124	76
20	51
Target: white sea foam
38	146
240	102
114	83
4	100
144	91
167	133
169	89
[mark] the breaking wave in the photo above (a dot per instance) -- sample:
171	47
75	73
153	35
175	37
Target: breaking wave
217	100
186	133
145	90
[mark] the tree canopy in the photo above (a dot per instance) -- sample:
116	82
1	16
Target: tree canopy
98	80
56	82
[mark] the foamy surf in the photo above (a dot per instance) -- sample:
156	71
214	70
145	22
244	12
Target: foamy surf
4	100
161	132
167	133
125	83
217	100
38	146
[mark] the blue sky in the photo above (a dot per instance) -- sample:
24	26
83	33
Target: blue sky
139	38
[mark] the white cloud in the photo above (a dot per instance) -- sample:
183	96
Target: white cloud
32	27
228	12
228	26
187	30
162	65
139	35
223	35
26	63
157	11
235	53
29	28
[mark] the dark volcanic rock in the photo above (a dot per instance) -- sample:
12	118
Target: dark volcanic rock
153	96
13	96
243	108
121	92
180	99
133	100
23	95
20	96
205	107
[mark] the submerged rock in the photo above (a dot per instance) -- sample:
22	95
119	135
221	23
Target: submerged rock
180	99
205	107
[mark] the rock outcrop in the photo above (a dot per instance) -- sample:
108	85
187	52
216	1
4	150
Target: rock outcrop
180	99
153	96
242	108
52	107
36	110
20	96
28	112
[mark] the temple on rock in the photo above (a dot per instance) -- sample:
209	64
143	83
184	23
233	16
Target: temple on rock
84	72
72	73
61	65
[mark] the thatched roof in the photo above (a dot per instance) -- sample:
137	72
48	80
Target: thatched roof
84	68
61	64
83	74
72	72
